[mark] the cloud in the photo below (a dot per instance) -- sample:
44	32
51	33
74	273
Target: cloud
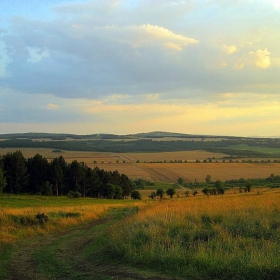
230	49
259	59
52	106
36	55
135	36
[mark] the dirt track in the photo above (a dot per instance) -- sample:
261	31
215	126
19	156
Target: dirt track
69	256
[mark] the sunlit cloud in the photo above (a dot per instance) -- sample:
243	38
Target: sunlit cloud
259	59
52	106
129	66
230	49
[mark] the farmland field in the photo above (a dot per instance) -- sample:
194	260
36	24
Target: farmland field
151	166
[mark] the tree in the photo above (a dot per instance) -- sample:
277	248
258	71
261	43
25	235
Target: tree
180	180
152	195
135	195
47	188
38	169
170	192
118	192
219	187
76	174
109	191
248	186
58	170
160	193
16	171
3	181
93	183
208	179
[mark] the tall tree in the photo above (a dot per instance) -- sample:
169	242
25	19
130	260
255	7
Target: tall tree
76	174
125	185
92	183
16	171
3	181
58	169
38	169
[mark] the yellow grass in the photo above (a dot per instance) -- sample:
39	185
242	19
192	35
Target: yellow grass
218	235
11	231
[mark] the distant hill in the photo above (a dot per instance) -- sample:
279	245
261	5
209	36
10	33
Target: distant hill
157	141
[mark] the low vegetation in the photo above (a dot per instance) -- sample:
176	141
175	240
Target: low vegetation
221	237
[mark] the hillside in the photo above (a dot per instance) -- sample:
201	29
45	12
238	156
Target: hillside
147	142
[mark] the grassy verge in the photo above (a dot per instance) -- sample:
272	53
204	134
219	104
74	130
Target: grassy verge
229	237
19	219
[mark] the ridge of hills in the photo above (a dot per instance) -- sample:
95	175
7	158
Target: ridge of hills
153	134
157	141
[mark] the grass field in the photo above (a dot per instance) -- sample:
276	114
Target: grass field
257	149
221	237
234	236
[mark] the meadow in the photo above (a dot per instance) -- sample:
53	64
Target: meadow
219	237
28	218
233	236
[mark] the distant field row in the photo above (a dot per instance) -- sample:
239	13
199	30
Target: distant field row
164	172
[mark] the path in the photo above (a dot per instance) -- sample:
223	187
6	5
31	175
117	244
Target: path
73	255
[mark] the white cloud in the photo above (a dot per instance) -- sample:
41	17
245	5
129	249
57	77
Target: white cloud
230	49
259	59
135	36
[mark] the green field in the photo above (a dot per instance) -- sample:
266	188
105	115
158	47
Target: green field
267	150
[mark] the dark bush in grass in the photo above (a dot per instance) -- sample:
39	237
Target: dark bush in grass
75	194
42	218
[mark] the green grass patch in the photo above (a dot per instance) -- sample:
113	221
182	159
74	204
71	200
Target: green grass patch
23	201
265	150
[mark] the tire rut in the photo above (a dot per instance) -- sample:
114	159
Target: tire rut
68	248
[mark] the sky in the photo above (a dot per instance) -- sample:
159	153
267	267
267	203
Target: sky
123	66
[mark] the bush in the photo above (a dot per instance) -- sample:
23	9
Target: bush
75	194
41	218
135	195
170	192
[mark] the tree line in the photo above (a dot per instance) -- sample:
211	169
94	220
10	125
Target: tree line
37	175
147	145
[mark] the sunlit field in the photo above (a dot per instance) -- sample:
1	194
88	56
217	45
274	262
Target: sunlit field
216	237
151	166
18	214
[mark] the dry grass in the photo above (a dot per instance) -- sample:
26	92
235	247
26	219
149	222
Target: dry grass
216	237
20	222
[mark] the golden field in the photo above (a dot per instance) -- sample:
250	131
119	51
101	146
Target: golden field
216	237
150	168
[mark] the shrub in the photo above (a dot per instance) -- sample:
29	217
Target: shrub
41	218
135	195
170	192
75	194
